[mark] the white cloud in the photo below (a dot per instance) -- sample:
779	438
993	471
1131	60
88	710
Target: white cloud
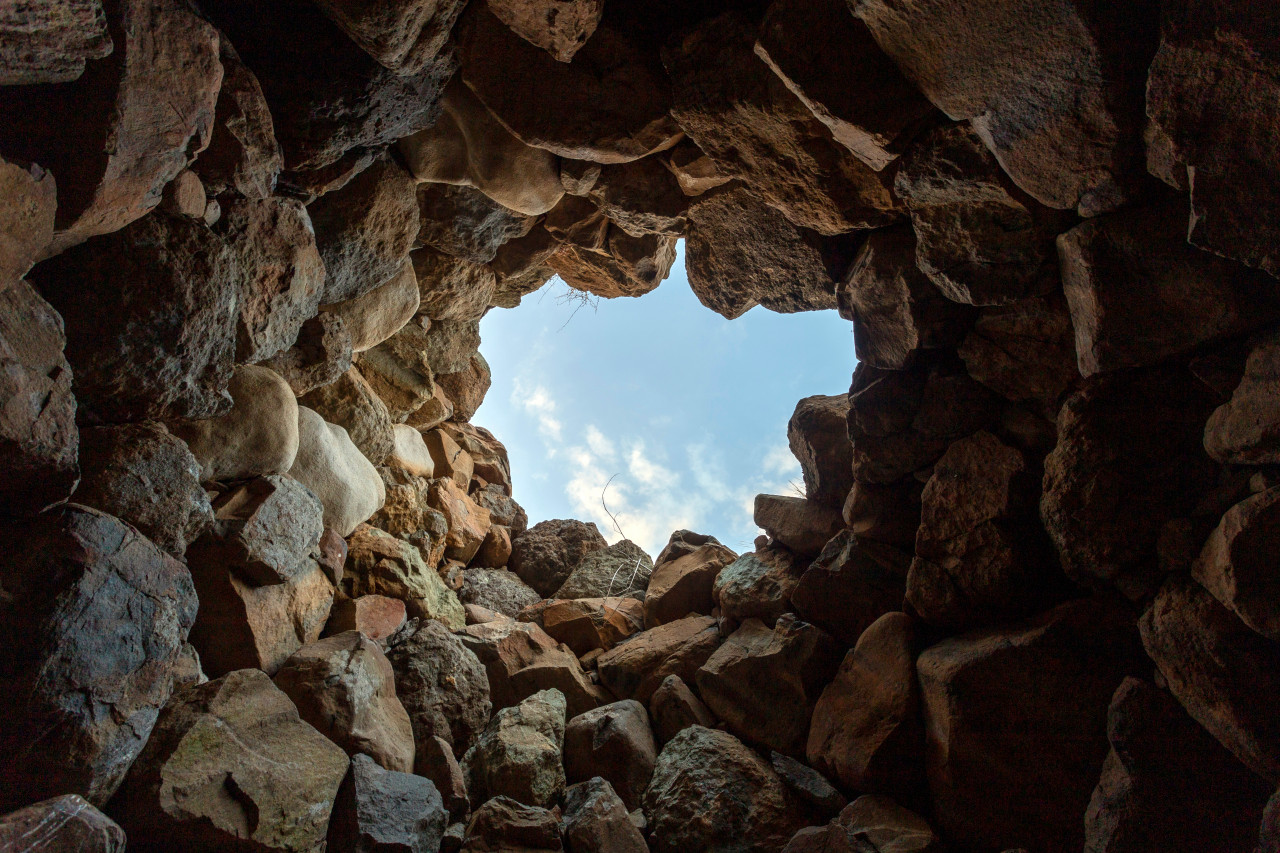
599	444
537	402
780	461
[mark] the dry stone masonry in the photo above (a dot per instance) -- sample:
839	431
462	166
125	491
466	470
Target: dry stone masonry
266	586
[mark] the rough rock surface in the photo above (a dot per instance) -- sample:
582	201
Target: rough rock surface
352	403
586	624
758	585
545	554
467	224
67	822
1243	430
503	824
518	754
1233	564
618	571
613	742
374	316
798	524
635	669
674	707
850	585
378	809
521	659
442	685
50	45
401	36
682	586
381	564
596	820
497	589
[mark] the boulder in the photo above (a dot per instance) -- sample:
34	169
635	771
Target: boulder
870	820
503	824
1222	672
449	459
623	266
1246	429
400	370
452	288
333	468
495	550
641	197
407	515
673	707
320	356
819	439
465	389
621	570
433	413
374	316
1139	294
681	586
435	761
409	454
799	524
518	754
765	682
559	28
545	554
613	742
50	45
466	223
496	589
1129	459
488	455
850	585
150	314
741	252
94	619
375	616
807	785
1021	711
746	120
1234	565
67	822
888	513
258	437
404	37
144	476
711	793
380	564
378	809
442	685
344	686
866	731
1067	123
586	624
610	106
521	660
243	155
468	523
114	137
30	200
635	668
758	585
230	763
352	403
468	146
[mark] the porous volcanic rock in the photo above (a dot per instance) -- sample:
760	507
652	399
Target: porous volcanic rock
378	809
50	45
374	316
545	554
621	570
819	438
442	685
497	589
613	742
518	754
243	155
381	564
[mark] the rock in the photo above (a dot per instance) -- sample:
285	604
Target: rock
30	200
819	439
1234	567
433	413
245	626
807	784
502	824
50	44
327	96
559	28
452	288
1024	351
518	754
404	37
380	564
378	314
488	455
682	586
67	822
407	515
747	121
332	555
497	589
709	792
586	624
231	763
765	682
1122	271
353	404
1216	68
873	821
641	197
465	223
610	106
150	313
621	570
344	686
399	370
695	172
495	550
365	230
674	707
851	584
1269	835
375	616
435	761
266	530
757	585
741	252
143	475
981	554
635	668
626	266
613	742
545	554
468	146
448	458
979	238
382	810
258	437
1067	124
813	46
681	543
466	388
410	454
866	731
127	126
1221	671
468	523
801	525
336	472
442	685
94	620
282	278
1129	459
894	307
243	155
1154	791
1054	676
1244	430
449	345
596	821
887	514
521	660
320	357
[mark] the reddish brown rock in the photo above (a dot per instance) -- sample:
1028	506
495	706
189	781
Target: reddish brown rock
635	669
615	743
381	564
1246	429
682	586
545	554
466	223
866	731
320	356
495	550
435	761
375	616
802	525
758	585
442	685
674	707
869	820
243	155
746	120
1235	565
819	438
558	27
503	824
28	202
67	822
851	584
585	624
642	197
885	513
489	459
400	370
1022	711
452	288
468	523
521	660
627	266
94	620
404	37
1222	672
49	43
596	820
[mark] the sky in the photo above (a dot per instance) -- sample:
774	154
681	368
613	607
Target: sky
687	409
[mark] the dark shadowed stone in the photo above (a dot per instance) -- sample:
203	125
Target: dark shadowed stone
641	198
28	204
243	155
503	824
801	525
383	811
1237	563
67	822
819	438
559	28
674	707
499	590
450	287
94	619
49	42
466	223
613	742
851	584
758	585
623	266
442	685
682	585
1246	429
636	668
404	37
620	570
885	513
807	784
546	554
320	356
597	821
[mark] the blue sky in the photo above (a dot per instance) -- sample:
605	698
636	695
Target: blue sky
688	409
